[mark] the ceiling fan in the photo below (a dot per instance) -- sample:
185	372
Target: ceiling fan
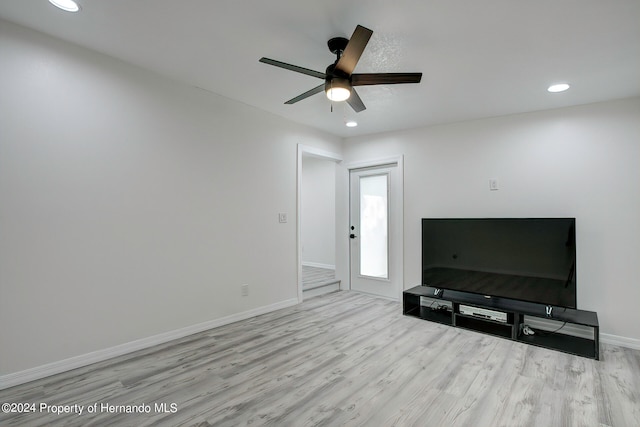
339	79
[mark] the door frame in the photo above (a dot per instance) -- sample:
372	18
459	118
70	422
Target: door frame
321	154
398	161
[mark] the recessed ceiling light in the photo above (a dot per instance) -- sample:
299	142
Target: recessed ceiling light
560	87
351	124
68	5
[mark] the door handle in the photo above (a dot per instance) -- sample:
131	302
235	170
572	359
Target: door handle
352	236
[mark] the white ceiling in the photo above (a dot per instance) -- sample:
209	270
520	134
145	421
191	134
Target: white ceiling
478	58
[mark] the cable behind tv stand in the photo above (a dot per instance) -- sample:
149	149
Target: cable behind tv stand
504	318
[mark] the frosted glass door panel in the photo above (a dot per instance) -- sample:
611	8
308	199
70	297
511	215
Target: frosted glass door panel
374	226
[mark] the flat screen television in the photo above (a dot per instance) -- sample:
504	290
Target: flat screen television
526	259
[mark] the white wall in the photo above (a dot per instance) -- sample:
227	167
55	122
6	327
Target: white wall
581	162
131	205
318	207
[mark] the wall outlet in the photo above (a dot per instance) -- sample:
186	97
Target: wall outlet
244	290
282	217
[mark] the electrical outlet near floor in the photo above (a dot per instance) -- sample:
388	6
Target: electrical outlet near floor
244	290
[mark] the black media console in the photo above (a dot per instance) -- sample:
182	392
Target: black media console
508	327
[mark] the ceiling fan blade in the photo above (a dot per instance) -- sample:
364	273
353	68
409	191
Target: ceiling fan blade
307	94
355	102
384	78
295	68
353	51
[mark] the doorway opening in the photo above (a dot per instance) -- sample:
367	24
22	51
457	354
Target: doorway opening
316	222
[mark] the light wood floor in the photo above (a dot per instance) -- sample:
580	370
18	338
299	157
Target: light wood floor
346	359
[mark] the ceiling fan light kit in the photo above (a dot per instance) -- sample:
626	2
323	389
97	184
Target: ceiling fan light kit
337	89
339	77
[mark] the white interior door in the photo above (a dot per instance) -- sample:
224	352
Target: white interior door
376	230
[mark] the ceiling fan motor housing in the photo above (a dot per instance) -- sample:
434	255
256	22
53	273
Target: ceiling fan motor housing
331	73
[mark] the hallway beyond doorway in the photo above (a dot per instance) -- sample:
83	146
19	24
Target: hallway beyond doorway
317	281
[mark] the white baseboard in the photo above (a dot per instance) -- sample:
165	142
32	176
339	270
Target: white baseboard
620	341
318	265
75	362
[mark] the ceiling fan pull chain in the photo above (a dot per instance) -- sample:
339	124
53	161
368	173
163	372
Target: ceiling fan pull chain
331	100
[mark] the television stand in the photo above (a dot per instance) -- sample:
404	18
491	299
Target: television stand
505	318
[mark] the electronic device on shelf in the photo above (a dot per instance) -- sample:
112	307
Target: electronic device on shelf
496	316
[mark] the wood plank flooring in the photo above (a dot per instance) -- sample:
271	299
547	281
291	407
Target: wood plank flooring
344	359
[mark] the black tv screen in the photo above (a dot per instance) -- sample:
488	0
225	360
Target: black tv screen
528	259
